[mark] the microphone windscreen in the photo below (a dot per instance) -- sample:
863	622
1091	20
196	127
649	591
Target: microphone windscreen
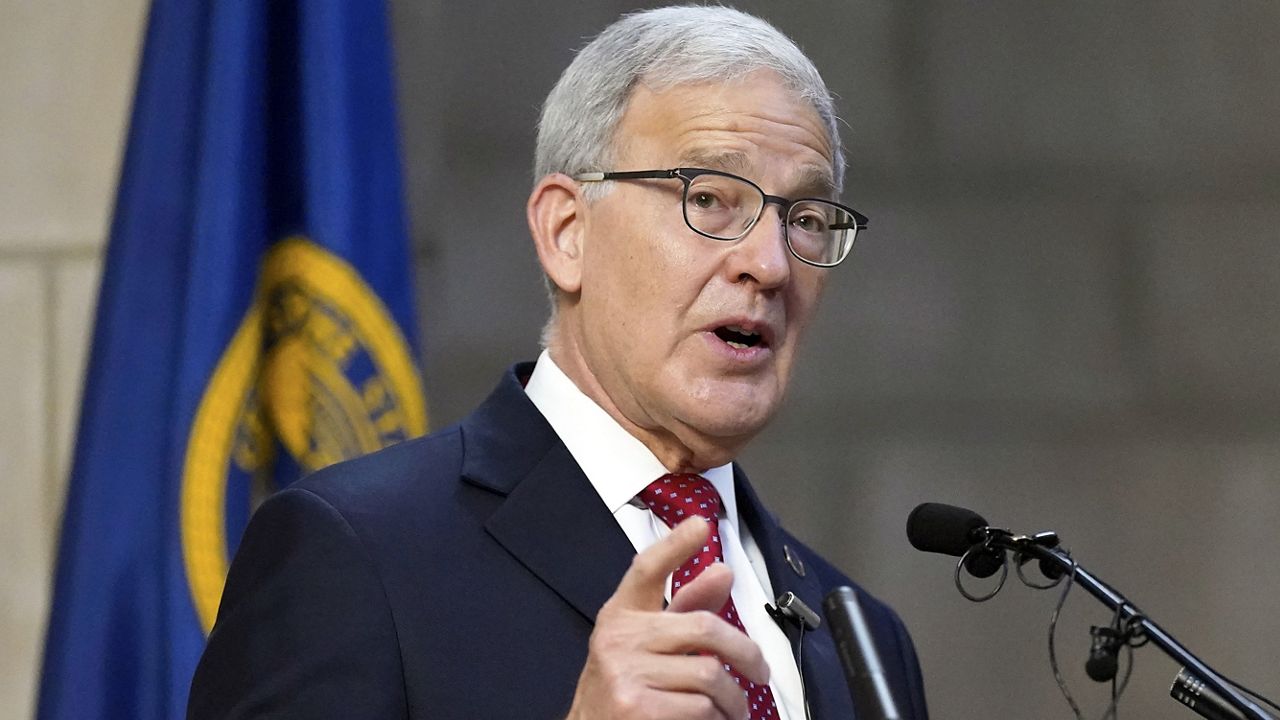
1102	667
946	529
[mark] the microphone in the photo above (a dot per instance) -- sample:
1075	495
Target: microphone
1104	648
945	529
868	686
951	530
1190	691
791	609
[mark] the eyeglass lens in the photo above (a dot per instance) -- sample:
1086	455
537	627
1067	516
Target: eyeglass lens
724	208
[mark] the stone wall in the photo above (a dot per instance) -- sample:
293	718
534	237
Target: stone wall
66	79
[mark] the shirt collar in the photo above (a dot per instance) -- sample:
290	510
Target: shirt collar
617	464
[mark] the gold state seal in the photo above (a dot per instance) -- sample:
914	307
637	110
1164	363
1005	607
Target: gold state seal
317	368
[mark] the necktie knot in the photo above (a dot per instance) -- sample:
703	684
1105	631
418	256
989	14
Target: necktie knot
677	496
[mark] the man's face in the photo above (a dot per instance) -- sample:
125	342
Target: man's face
662	309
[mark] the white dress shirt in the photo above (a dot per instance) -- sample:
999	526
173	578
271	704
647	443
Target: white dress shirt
619	466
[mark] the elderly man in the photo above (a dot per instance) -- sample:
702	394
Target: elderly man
583	545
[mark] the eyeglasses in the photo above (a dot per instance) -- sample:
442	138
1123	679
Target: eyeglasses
725	207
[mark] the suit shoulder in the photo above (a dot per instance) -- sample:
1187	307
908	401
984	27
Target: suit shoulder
391	474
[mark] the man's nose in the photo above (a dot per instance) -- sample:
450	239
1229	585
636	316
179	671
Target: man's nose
761	255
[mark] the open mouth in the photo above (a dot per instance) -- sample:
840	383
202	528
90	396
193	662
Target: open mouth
737	337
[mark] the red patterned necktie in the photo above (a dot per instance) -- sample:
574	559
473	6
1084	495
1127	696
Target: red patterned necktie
673	498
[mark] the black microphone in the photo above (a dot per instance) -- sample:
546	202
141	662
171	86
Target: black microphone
1104	648
951	530
946	529
863	671
1190	691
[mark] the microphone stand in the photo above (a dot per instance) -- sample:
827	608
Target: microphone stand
1128	614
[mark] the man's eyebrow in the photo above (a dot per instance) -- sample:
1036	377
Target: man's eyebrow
816	182
730	161
811	181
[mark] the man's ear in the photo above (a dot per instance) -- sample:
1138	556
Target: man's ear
558	228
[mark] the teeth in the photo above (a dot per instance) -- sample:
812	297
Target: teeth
738	329
738	345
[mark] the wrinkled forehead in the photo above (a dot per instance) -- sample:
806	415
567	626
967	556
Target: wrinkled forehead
699	122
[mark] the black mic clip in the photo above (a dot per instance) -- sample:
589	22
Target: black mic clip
989	554
1050	570
985	557
789	608
1106	641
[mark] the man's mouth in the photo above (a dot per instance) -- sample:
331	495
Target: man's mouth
736	336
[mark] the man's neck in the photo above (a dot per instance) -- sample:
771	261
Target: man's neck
692	453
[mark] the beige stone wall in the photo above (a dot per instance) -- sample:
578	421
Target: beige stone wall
66	80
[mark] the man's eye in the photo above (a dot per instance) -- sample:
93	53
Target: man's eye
704	200
810	223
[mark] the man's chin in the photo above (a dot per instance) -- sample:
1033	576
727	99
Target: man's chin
728	423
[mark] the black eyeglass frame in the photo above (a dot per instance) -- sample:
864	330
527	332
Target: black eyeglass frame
687	176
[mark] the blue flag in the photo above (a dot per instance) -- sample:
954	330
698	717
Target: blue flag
255	323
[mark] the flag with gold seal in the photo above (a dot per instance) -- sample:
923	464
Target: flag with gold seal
255	323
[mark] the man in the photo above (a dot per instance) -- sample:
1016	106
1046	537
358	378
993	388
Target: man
528	562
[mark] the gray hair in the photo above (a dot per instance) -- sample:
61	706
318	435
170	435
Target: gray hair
664	48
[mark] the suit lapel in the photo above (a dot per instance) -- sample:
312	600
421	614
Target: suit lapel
825	687
555	524
551	520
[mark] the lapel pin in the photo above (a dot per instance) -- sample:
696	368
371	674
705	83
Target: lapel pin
793	559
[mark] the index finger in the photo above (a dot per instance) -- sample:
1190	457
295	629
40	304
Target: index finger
644	585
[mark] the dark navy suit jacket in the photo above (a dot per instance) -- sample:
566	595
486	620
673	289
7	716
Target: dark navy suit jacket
458	576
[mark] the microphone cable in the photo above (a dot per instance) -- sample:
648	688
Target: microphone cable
1053	630
1117	636
808	715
